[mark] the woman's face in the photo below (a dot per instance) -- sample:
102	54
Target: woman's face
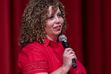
54	23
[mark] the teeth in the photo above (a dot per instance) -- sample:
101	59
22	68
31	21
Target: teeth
57	27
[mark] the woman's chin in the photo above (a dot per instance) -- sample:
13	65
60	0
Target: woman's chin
57	33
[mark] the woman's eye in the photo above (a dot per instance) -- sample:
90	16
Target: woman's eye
60	15
51	17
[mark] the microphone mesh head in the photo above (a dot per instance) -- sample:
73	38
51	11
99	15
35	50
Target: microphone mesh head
62	38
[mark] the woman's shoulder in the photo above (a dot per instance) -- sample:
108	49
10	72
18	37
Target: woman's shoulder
30	54
31	50
33	47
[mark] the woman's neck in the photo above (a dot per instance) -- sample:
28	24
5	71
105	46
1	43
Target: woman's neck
52	38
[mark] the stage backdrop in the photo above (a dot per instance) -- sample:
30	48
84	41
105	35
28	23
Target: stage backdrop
88	32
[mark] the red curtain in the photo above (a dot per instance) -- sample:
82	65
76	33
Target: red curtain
10	17
88	32
98	34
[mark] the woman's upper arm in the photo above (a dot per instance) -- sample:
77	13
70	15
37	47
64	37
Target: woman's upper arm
32	60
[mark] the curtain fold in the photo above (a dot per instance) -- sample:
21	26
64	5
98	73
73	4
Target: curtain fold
4	37
98	36
10	19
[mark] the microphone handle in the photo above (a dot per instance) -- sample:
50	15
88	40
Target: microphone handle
74	65
66	45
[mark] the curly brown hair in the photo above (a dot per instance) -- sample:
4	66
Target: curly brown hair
34	16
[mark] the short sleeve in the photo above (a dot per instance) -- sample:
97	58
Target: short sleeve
79	69
32	60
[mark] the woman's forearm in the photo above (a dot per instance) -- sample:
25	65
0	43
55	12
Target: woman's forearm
61	70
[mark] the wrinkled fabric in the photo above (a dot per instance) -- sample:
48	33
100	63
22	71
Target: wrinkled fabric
46	57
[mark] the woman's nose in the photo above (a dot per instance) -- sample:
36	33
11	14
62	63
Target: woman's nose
57	19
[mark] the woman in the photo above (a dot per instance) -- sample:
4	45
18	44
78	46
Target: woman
42	53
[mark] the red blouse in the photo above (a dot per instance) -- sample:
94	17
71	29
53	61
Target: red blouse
46	57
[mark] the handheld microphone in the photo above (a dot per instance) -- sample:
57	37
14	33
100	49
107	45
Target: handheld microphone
65	44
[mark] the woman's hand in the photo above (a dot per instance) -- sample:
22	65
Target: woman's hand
68	55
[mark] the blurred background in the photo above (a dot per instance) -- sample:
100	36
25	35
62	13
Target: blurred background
88	32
